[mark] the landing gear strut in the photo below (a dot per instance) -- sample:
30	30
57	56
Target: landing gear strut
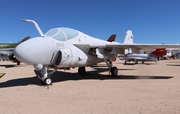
45	76
113	71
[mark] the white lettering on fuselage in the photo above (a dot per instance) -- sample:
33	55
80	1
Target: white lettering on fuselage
60	44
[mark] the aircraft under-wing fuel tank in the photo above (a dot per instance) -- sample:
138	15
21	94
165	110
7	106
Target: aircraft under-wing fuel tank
65	48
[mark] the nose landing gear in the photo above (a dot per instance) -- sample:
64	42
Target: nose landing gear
45	76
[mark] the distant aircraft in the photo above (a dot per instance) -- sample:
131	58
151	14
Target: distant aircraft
6	54
164	53
139	57
65	48
134	54
177	55
172	53
159	52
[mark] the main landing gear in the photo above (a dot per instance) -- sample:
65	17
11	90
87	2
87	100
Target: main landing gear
113	71
82	70
45	76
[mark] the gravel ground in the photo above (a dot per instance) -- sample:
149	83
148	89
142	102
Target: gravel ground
150	88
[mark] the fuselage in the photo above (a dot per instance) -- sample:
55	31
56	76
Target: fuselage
60	47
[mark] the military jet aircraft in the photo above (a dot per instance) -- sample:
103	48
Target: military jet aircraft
150	54
7	55
139	57
65	48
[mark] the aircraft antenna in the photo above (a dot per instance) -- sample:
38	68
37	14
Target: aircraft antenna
36	25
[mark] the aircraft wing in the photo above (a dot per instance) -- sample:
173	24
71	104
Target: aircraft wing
126	46
119	48
6	49
143	46
91	45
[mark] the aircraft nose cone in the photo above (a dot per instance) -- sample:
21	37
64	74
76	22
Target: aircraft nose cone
35	51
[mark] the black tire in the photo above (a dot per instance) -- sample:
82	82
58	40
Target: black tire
136	61
82	70
125	63
114	71
18	63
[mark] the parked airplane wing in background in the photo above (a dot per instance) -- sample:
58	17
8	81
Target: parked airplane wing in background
8	53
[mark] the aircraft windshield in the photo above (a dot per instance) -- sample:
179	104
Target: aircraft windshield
62	34
151	55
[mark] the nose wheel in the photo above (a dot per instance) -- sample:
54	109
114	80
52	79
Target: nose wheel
47	81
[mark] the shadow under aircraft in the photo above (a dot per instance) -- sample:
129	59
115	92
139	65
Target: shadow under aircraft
60	76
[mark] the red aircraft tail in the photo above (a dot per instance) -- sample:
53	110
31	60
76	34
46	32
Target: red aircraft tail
160	52
112	38
172	57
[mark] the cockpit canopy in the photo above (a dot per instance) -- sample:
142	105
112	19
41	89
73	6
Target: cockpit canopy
62	34
152	55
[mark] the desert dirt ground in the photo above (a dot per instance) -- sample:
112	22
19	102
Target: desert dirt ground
139	89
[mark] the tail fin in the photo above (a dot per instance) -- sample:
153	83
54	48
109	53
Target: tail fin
128	40
129	37
112	38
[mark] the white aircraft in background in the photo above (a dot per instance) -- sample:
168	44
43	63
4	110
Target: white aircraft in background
6	54
177	55
65	48
139	57
172	53
134	54
167	53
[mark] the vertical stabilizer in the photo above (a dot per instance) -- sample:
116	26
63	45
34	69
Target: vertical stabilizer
112	38
129	37
128	40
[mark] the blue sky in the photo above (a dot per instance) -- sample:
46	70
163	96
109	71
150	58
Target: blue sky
152	21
